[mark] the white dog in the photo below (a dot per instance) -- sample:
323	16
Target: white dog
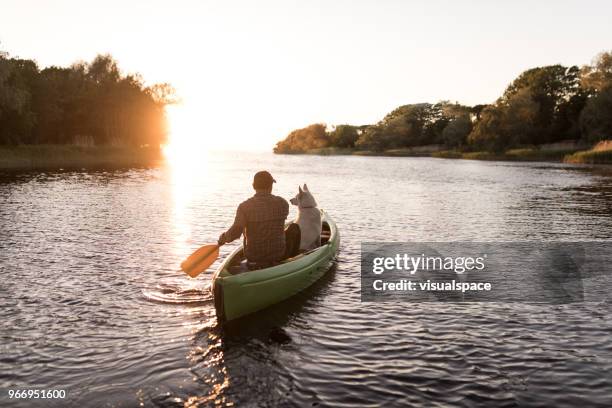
309	219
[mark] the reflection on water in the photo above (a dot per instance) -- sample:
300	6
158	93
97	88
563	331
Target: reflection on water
178	293
182	170
92	301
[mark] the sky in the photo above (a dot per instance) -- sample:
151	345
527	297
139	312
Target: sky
249	72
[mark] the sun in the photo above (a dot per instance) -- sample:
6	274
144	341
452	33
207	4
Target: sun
199	125
185	139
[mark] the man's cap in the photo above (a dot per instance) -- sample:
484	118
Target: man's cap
263	179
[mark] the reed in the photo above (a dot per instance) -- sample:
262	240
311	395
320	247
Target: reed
601	153
538	154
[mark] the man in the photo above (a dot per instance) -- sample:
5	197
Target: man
261	219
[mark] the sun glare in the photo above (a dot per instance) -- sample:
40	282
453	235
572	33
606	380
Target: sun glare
187	156
185	142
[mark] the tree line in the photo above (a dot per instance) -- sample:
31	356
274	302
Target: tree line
86	103
542	105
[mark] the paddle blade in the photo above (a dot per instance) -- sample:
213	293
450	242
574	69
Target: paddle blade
200	260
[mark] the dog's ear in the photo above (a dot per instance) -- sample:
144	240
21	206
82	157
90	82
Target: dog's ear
300	188
305	187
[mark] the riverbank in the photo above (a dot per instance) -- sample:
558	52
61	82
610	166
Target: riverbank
599	154
73	156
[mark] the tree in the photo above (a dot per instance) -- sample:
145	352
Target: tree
302	140
487	133
506	124
17	120
542	105
519	118
92	102
50	96
412	125
374	138
596	118
476	110
416	125
163	93
104	69
344	136
455	133
404	126
552	88
597	76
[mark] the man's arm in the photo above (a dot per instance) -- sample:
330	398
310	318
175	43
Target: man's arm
236	229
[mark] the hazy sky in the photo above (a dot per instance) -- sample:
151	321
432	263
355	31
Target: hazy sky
251	71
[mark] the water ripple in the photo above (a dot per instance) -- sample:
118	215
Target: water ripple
91	300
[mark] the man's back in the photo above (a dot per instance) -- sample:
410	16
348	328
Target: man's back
262	219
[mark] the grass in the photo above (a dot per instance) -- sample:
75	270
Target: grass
448	154
482	156
73	156
522	154
400	152
367	153
329	151
535	154
557	152
405	152
525	154
601	153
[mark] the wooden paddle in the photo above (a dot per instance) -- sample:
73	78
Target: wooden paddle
200	260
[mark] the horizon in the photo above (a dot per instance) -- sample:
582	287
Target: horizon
353	63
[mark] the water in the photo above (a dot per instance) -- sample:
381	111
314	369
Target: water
92	302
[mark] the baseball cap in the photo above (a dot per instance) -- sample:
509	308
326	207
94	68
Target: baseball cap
263	179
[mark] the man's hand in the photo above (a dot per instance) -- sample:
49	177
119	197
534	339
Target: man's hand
221	239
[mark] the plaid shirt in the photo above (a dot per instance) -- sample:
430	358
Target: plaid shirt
262	220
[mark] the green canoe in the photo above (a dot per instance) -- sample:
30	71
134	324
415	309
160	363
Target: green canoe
238	293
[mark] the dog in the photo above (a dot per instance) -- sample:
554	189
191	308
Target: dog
309	219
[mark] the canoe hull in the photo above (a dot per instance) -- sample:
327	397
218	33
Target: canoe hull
248	292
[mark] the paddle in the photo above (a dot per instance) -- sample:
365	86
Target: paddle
200	260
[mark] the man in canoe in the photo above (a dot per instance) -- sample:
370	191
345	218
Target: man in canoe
261	219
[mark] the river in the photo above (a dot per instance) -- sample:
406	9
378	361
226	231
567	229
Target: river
92	301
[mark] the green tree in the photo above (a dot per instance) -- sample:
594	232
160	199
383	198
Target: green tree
374	138
92	102
455	133
344	136
17	120
476	110
597	76
487	133
414	125
506	124
519	118
596	118
552	88
542	105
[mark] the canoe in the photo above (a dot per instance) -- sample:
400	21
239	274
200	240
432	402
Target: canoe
238	292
